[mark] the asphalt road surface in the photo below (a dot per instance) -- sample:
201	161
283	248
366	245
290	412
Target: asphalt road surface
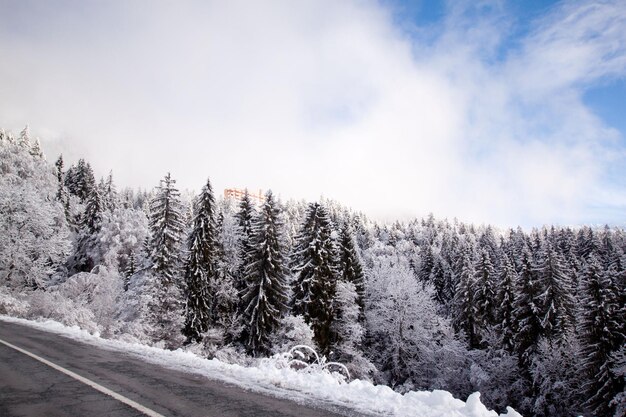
29	387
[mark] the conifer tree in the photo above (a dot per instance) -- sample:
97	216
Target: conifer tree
484	291
441	279
80	180
36	150
426	265
166	227
131	268
24	139
527	311
265	272
85	256
350	264
92	219
556	299
62	194
166	230
314	265
466	310
505	303
109	193
602	334
59	174
244	217
200	266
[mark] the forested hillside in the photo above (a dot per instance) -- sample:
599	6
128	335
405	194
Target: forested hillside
533	319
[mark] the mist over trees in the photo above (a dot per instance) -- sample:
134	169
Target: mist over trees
535	320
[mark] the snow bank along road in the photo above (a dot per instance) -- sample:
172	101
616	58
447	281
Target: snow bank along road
75	386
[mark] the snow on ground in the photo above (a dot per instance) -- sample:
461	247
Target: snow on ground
316	388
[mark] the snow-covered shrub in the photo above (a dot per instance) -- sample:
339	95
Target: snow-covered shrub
99	293
212	341
292	331
303	358
11	304
230	354
133	310
145	317
53	305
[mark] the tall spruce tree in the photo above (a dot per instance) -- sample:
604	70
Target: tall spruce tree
200	265
225	304
109	193
92	218
465	308
314	265
265	272
350	269
557	302
426	265
85	256
484	290
505	299
244	217
80	180
166	230
602	334
62	194
527	311
166	227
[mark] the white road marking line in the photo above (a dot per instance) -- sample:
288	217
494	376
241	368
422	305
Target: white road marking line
89	382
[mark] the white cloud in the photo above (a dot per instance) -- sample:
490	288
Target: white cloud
267	96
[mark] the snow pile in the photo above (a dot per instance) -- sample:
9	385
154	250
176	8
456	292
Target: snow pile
324	388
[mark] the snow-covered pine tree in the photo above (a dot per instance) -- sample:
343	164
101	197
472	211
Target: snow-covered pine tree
59	174
527	311
226	298
200	266
426	264
109	193
92	219
350	269
86	254
24	139
166	227
131	268
602	334
80	180
349	330
244	217
484	291
487	241
315	269
62	194
36	150
441	280
265	272
505	303
466	313
557	302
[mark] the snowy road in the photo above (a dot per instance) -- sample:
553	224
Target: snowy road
31	388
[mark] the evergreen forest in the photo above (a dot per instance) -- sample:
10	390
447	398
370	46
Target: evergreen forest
534	319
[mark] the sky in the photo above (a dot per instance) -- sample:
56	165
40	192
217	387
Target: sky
502	112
